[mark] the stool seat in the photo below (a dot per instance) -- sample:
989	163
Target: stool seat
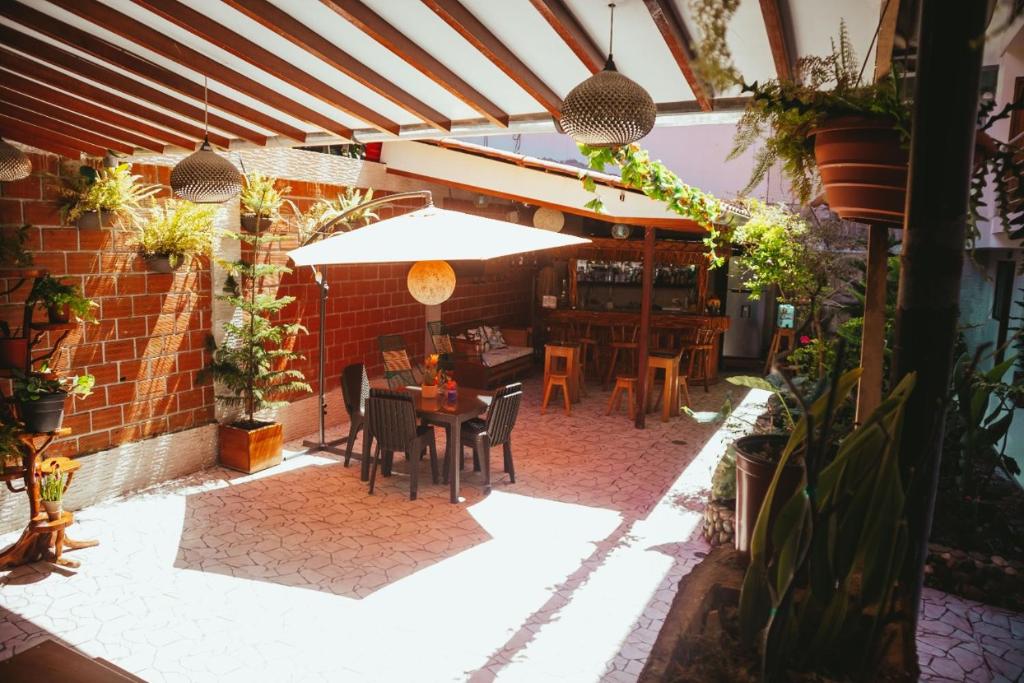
670	363
627	384
560	381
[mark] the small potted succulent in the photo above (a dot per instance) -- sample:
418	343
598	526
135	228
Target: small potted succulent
41	396
95	198
61	300
261	201
174	231
51	492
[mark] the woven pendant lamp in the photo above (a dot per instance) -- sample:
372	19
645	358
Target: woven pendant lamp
205	177
14	164
608	109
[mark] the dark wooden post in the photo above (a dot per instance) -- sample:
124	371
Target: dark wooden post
646	299
872	345
941	153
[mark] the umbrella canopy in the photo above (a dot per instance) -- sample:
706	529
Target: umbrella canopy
429	234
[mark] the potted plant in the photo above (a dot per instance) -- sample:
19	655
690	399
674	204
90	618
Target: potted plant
12	247
61	300
10	447
251	364
51	492
94	198
41	396
433	377
261	201
13	348
175	230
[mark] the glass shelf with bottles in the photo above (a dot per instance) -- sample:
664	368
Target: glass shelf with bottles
631	273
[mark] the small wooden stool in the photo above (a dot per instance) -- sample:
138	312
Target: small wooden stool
623	384
549	386
624	340
569	354
787	333
670	392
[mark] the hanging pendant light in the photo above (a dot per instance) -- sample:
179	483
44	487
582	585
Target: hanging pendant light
608	109
205	177
431	282
14	164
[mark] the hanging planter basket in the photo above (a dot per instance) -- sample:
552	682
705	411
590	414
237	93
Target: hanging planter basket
863	166
92	220
253	224
164	263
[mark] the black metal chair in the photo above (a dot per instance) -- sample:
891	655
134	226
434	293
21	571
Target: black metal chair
355	389
391	422
496	430
398	369
441	339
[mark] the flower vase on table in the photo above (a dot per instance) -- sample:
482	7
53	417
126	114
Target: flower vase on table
432	378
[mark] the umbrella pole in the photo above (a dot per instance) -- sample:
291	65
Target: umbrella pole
323	444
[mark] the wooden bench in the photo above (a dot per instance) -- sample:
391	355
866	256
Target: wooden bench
479	369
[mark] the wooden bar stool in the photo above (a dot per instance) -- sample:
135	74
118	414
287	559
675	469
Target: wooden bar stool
553	381
564	359
700	352
624	341
670	364
587	339
627	385
787	334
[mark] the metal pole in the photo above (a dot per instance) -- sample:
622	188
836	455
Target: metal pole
324	287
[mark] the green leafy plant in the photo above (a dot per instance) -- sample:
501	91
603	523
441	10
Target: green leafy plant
10	443
1004	164
52	485
32	386
261	195
12	247
818	593
177	229
774	241
714	63
323	210
251	363
656	181
52	292
109	189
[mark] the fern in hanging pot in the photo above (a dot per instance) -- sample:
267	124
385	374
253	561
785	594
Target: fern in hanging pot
174	232
261	201
92	198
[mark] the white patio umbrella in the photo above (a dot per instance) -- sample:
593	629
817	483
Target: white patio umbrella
428	234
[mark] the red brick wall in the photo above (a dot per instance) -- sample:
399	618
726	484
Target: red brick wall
149	342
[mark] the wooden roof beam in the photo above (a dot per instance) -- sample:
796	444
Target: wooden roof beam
779	27
27	116
65	116
226	39
370	23
38	91
143	34
8	123
480	37
45	144
285	25
677	38
71	84
52	54
118	56
572	33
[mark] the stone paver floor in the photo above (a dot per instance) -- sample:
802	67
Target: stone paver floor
298	574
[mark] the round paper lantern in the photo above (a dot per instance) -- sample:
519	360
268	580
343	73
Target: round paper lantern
621	231
205	177
548	219
14	164
431	282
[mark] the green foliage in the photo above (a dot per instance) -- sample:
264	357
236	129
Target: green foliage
177	229
10	442
261	196
764	384
817	595
251	363
656	181
1004	164
325	210
108	189
49	291
714	63
12	247
34	385
784	113
774	243
723	480
52	485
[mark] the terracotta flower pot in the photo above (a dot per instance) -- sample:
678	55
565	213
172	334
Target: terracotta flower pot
54	509
429	390
755	467
13	353
863	167
251	448
250	223
91	220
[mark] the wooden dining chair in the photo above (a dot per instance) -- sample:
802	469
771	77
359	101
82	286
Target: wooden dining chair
481	435
700	352
391	422
355	389
398	369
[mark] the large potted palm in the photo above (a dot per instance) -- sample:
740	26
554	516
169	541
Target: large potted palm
250	365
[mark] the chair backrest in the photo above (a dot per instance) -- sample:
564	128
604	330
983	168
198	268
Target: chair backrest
439	337
391	419
625	333
355	388
705	336
397	366
503	413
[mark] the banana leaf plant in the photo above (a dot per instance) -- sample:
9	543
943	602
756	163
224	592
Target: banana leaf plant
818	594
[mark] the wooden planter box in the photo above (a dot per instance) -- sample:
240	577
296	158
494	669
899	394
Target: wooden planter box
251	450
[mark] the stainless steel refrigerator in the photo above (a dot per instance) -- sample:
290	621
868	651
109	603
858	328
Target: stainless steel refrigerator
749	319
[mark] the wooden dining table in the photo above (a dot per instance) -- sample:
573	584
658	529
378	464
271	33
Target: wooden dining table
469	403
